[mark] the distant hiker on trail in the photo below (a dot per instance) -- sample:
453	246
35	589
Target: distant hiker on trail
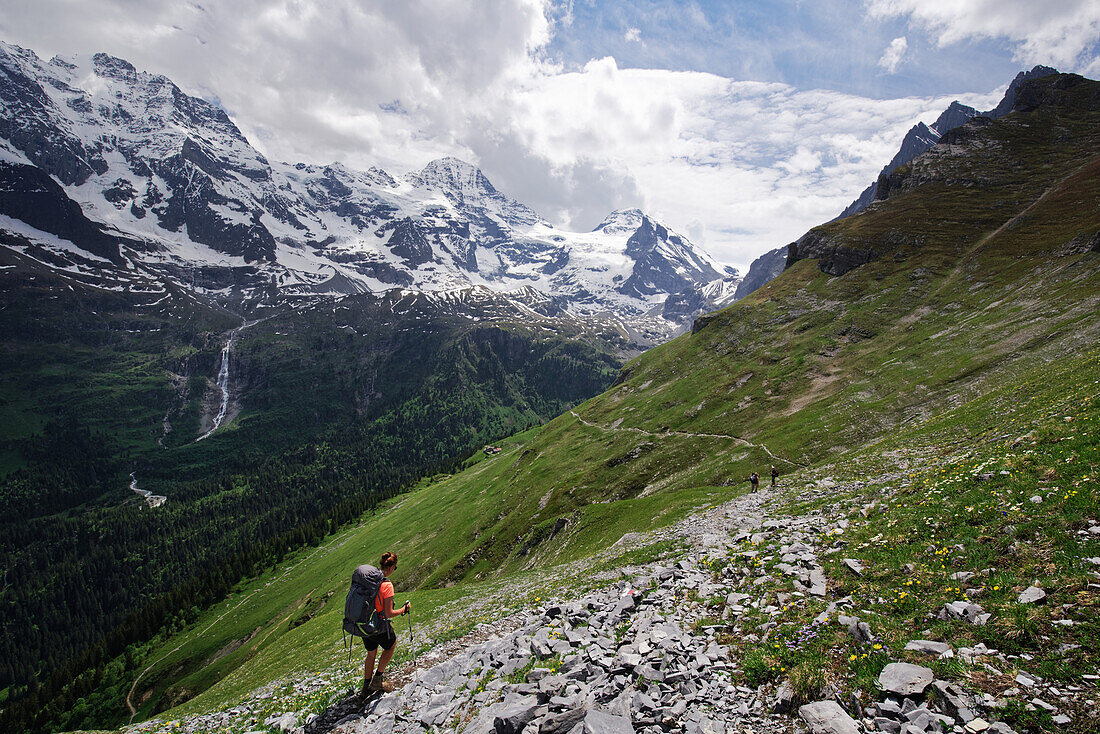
755	479
775	475
379	629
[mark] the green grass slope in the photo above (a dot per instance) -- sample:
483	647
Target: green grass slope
983	281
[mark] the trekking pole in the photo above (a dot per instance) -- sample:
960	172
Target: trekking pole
411	636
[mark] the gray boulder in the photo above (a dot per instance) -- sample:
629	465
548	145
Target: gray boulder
972	613
600	722
563	722
817	582
827	717
905	679
287	722
930	647
887	725
854	566
784	699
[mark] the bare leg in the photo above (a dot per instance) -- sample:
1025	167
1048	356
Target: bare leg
368	664
383	661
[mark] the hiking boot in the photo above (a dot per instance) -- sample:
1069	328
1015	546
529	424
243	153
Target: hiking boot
378	684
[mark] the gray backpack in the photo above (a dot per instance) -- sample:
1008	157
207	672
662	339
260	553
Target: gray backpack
360	618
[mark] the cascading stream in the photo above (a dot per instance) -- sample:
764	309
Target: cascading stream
223	381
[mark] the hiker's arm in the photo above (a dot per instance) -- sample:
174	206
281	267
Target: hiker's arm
389	612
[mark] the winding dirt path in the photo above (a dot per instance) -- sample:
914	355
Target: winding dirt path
686	434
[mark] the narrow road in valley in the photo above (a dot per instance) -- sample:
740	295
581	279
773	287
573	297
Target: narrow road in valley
685	434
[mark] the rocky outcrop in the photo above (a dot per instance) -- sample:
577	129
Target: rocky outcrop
921	137
918	140
1008	102
834	255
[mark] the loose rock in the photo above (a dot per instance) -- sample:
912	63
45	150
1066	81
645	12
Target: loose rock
905	679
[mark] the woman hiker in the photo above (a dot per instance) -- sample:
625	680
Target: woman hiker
385	638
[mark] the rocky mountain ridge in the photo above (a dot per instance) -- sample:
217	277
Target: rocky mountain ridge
165	187
921	137
960	158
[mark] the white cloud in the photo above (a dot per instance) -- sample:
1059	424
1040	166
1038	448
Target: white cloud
746	166
1064	33
633	34
893	54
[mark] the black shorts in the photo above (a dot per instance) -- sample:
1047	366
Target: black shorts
386	640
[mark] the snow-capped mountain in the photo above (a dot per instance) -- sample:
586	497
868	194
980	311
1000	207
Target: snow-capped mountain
157	185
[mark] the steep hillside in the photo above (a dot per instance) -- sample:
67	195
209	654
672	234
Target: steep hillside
963	304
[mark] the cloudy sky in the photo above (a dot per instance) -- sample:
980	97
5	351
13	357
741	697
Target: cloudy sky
740	123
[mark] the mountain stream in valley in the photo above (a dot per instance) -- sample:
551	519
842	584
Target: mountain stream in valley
153	500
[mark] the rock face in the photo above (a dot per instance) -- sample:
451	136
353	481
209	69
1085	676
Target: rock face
763	269
663	262
28	194
191	199
1008	102
835	256
930	647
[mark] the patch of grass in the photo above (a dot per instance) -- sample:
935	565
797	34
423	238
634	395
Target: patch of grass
807	681
759	666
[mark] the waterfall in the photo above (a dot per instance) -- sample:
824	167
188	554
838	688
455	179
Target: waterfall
223	384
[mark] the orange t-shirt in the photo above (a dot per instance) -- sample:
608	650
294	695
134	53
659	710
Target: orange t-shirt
385	591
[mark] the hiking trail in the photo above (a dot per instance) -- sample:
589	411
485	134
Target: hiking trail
685	434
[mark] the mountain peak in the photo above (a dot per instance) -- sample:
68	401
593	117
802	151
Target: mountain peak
1006	103
452	174
956	114
468	188
621	221
112	67
921	137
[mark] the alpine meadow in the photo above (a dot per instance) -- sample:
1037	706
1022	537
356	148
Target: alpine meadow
230	382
